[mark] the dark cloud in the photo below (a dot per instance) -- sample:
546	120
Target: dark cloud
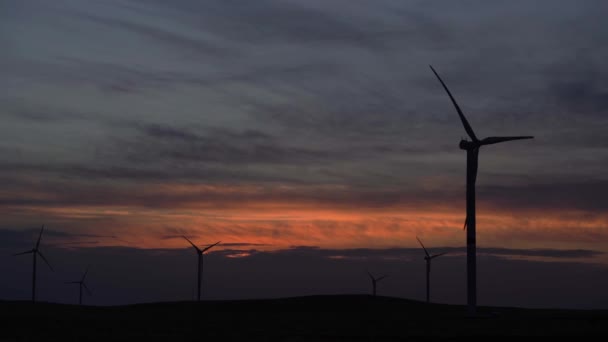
549	253
243	244
534	195
164	132
220	146
179	233
273	22
574	193
113	78
587	95
67	171
23	110
415	253
176	40
21	238
109	78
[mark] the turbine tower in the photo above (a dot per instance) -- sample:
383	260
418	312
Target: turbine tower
428	259
36	251
472	148
200	264
375	282
81	284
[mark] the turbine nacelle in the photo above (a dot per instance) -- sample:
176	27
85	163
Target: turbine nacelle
468	145
201	251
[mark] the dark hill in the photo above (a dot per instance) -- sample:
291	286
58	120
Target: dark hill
314	318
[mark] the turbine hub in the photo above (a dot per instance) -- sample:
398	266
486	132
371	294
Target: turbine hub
467	145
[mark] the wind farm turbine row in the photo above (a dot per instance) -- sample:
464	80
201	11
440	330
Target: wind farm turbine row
36	252
427	257
200	253
472	148
81	283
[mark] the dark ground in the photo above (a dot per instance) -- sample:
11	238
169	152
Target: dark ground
317	318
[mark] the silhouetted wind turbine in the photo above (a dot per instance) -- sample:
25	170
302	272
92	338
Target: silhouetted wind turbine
81	284
36	251
428	259
472	148
375	281
200	264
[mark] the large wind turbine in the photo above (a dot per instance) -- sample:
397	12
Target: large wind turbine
36	251
200	264
81	284
375	282
428	259
472	148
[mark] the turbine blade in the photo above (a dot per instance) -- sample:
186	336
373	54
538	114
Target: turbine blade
26	252
465	123
47	262
425	251
39	237
72	282
496	140
87	289
85	274
371	276
384	276
193	245
211	246
438	255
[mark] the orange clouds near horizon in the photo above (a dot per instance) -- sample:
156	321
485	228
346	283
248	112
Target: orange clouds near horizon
243	218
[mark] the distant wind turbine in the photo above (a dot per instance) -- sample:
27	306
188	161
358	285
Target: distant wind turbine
36	251
200	252
428	259
375	282
472	148
81	284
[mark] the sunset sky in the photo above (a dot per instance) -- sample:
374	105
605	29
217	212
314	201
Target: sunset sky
302	125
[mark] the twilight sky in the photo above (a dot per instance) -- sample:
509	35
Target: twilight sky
272	124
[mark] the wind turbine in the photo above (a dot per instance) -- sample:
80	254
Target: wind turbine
375	281
81	284
428	259
200	264
472	148
36	251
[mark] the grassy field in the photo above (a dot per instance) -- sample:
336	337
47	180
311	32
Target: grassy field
316	318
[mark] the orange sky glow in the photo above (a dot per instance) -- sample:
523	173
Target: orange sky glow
241	215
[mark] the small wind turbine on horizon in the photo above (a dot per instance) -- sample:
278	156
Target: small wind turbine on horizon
81	284
428	259
375	282
200	252
472	148
36	251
